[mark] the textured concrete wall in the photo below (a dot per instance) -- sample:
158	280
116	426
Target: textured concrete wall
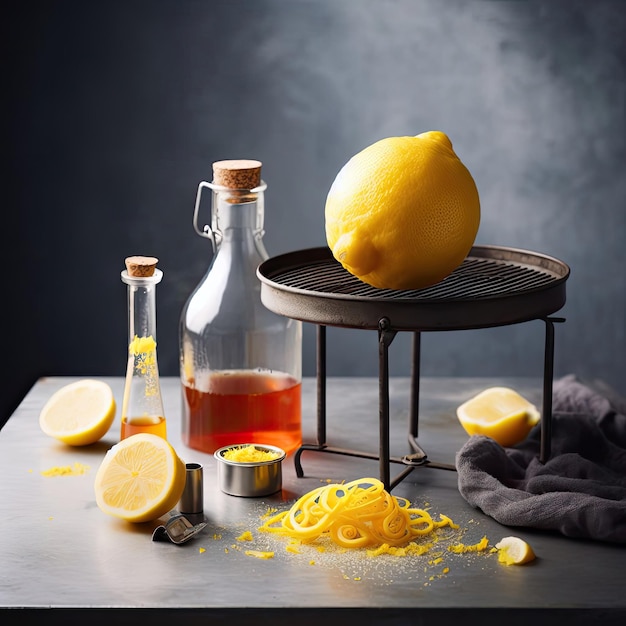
116	111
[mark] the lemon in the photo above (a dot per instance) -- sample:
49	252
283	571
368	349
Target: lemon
403	213
514	551
140	478
80	413
500	413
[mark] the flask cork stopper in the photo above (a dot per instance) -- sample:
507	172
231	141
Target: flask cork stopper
237	173
141	266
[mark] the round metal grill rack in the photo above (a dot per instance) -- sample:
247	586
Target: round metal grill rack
494	286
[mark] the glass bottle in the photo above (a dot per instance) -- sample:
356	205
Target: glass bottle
240	363
142	405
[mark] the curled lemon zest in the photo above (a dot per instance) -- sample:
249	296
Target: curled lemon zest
357	514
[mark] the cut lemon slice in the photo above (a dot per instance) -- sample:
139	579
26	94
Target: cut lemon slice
500	413
140	479
80	413
514	551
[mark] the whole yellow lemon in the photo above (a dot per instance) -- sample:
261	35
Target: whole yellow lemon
403	213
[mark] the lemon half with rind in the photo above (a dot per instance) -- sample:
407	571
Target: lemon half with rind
500	413
79	413
140	479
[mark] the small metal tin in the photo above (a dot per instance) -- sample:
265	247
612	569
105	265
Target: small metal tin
250	479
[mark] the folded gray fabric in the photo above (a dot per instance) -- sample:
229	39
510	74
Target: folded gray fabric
580	491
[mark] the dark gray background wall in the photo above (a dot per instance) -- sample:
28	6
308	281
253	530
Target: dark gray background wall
115	111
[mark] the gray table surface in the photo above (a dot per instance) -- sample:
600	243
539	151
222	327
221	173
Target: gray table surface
61	556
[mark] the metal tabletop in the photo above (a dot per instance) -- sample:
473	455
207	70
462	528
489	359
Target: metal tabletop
63	560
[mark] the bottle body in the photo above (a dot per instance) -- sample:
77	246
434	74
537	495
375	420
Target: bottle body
142	405
240	363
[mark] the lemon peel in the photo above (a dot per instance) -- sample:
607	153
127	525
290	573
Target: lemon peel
514	551
79	413
500	413
140	479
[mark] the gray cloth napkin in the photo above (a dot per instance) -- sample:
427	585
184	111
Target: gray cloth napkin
581	489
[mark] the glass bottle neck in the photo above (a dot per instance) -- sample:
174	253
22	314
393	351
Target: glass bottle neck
236	209
238	221
237	216
142	304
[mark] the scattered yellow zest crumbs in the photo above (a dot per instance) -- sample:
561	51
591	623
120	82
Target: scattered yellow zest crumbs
357	514
201	550
245	536
444	571
259	554
77	469
460	548
249	454
270	511
411	549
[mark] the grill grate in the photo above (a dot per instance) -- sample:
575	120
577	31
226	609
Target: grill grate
493	286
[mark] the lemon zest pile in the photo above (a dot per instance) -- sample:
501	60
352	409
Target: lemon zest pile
259	554
460	548
78	469
245	536
357	514
411	549
249	454
142	345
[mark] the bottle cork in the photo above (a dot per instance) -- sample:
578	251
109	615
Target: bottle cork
141	266
237	173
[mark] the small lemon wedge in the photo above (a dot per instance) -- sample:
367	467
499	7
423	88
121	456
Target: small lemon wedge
514	551
140	479
80	413
500	413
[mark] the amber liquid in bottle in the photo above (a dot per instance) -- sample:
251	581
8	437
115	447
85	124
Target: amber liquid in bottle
244	407
134	425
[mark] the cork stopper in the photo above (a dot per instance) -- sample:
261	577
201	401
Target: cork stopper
237	173
141	266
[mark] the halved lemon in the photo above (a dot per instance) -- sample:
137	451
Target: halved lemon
500	413
140	479
80	413
514	551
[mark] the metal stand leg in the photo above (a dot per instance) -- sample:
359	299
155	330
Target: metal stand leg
415	384
418	457
321	402
548	375
385	337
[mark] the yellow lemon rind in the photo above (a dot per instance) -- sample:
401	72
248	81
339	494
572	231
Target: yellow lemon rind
113	469
479	416
52	417
403	213
514	551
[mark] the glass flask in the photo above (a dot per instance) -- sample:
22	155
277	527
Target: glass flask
142	405
240	363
